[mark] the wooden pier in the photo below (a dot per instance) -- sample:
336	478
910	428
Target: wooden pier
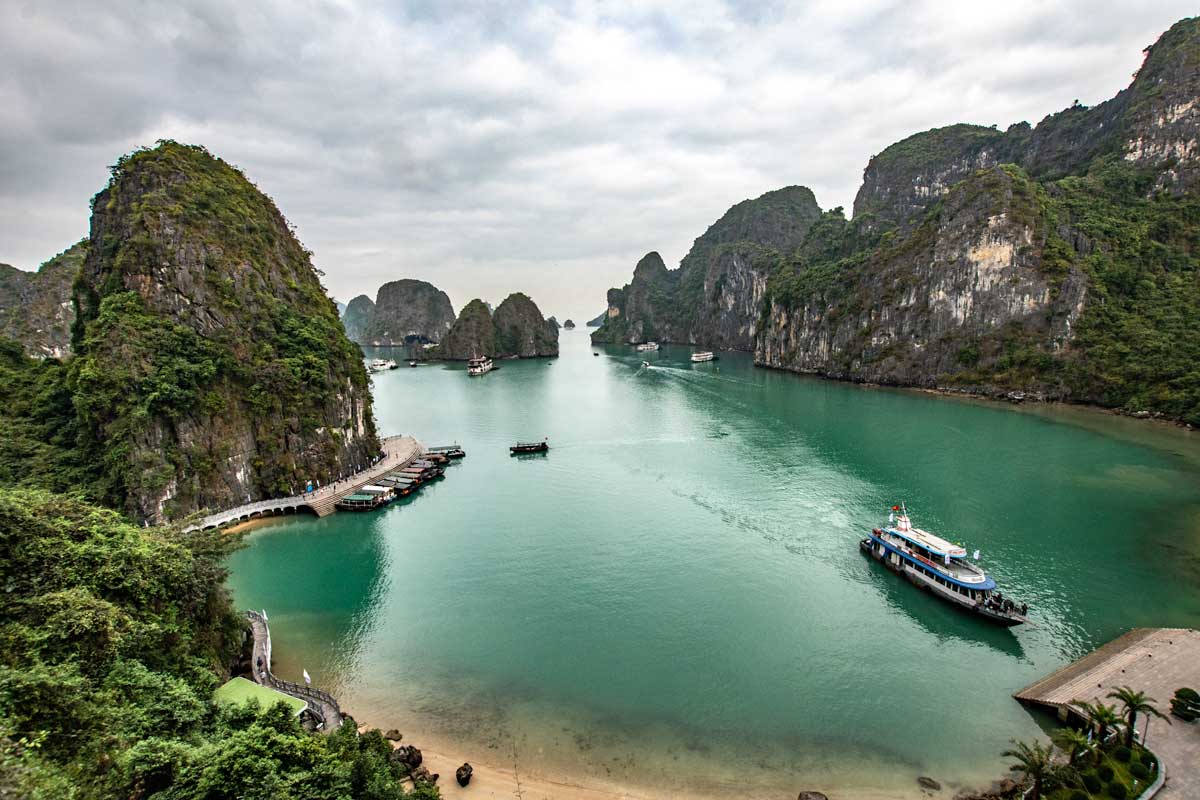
1156	661
398	452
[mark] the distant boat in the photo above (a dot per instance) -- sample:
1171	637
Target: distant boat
704	355
646	364
530	447
647	346
941	567
380	364
595	354
480	366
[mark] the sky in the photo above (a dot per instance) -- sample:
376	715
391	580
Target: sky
492	147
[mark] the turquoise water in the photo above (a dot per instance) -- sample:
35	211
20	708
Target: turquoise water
673	597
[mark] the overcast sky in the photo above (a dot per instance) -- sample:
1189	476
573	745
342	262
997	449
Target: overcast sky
494	147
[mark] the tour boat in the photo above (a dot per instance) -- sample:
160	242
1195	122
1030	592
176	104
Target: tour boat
646	364
449	451
530	447
645	346
705	355
360	501
480	365
941	567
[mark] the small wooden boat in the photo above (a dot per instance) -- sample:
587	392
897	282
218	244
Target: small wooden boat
530	447
646	364
449	451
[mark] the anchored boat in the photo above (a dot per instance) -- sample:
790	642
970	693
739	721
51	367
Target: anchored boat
941	567
646	346
530	447
704	355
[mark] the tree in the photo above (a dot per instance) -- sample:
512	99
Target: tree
1034	761
1135	703
1101	716
1074	743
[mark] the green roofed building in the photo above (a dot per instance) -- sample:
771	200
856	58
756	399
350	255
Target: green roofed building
239	690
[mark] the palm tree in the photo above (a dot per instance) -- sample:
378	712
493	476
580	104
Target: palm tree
1035	761
1101	716
1135	703
1074	743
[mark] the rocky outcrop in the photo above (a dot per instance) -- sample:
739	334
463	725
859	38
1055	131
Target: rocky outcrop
471	336
598	320
211	368
357	318
554	321
521	330
36	309
463	774
569	325
408	311
915	311
517	328
715	296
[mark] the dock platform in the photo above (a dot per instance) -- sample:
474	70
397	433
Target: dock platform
1156	661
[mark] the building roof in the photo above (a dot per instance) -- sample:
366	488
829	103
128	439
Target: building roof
239	690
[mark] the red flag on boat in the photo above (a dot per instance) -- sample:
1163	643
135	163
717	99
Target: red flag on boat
895	508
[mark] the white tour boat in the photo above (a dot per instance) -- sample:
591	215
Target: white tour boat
381	364
646	346
704	355
941	567
480	365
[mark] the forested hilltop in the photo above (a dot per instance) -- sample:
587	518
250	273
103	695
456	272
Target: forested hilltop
1058	260
209	367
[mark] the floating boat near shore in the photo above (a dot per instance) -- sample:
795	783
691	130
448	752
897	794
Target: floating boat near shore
359	501
480	365
448	450
530	447
647	346
941	567
703	355
381	364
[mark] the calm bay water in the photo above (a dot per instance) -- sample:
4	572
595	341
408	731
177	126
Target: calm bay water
673	597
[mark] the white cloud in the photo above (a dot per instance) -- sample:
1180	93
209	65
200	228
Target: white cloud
498	147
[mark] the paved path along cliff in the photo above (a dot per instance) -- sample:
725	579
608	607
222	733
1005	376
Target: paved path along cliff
397	452
321	704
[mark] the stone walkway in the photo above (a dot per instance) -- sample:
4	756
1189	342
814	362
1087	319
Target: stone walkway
322	704
397	452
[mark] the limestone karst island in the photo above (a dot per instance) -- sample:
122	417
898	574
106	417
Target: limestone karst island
600	401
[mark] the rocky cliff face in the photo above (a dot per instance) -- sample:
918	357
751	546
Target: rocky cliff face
211	367
569	325
408	311
517	328
1067	272
36	308
357	318
715	295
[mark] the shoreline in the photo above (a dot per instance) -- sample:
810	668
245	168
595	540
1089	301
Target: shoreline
492	780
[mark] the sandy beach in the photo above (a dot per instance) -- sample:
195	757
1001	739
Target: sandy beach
491	780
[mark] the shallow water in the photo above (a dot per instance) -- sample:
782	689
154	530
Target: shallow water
673	597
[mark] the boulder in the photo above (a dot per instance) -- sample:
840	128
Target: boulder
812	796
393	735
463	774
929	783
408	755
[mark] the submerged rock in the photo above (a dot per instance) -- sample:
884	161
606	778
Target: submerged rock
393	735
463	774
812	796
929	783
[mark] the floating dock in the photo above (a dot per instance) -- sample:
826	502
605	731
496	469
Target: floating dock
1156	661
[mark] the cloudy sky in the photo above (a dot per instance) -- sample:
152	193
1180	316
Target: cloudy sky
492	147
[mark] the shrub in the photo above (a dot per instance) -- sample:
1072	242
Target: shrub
1122	754
1117	791
1105	772
1148	759
1079	794
1092	783
1140	772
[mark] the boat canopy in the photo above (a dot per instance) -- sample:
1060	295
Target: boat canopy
934	544
359	498
373	489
